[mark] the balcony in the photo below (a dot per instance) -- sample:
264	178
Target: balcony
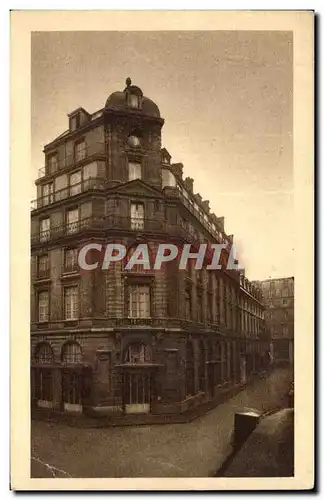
138	225
111	222
96	184
90	151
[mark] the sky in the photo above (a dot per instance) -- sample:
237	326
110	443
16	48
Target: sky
227	101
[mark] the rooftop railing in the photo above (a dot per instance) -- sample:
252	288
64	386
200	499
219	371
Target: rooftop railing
201	216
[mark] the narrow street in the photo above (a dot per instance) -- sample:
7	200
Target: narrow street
195	449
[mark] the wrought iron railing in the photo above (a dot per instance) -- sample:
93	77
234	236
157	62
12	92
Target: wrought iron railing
111	222
91	150
92	183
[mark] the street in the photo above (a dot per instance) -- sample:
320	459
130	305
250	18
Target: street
195	449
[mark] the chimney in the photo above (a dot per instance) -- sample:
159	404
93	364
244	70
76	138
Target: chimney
220	221
177	169
188	182
198	198
206	205
213	218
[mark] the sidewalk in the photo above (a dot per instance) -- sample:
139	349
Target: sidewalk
194	449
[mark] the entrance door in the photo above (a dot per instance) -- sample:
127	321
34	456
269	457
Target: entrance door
43	387
72	390
137	392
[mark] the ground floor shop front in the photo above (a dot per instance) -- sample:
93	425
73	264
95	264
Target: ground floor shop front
139	373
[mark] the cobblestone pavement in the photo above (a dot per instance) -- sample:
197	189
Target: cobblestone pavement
195	449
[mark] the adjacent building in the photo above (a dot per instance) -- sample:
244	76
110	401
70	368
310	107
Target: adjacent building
278	296
116	342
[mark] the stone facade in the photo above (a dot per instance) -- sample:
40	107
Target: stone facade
196	333
278	296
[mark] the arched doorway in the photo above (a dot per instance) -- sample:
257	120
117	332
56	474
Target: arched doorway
42	376
72	358
137	380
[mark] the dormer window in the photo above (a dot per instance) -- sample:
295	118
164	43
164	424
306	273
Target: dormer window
165	156
133	100
78	118
75	122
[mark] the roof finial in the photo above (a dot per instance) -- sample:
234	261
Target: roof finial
128	82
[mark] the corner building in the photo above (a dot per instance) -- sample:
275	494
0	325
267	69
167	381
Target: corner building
130	344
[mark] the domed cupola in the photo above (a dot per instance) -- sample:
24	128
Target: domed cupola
132	99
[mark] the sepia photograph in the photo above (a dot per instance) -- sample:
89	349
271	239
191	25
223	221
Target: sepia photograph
162	254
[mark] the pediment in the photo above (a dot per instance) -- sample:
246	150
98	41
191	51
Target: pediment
139	187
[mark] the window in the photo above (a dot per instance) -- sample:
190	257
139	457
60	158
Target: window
199	279
71	302
188	304
133	141
75	183
70	259
138	353
210	299
52	164
200	317
133	101
47	191
284	302
75	121
71	353
286	315
44	353
134	171
137	216
285	292
285	330
218	365
44	232
165	158
43	384
210	281
80	151
72	221
139	301
141	267
43	266
43	306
